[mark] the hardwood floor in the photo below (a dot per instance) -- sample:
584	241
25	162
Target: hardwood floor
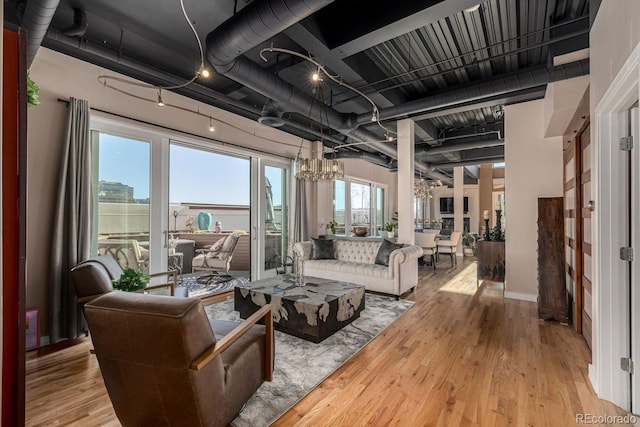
452	359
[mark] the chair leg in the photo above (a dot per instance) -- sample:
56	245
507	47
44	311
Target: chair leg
433	261
451	255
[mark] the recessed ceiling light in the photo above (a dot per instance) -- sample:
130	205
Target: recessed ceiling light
472	8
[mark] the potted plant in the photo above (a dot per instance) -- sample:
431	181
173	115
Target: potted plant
469	240
132	279
332	226
389	228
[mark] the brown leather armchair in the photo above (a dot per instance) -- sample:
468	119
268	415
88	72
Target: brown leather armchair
92	278
163	364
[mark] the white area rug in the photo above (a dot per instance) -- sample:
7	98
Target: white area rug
301	365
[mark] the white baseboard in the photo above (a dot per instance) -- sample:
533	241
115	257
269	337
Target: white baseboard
523	297
593	377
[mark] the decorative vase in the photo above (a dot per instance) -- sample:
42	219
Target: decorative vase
218	227
204	220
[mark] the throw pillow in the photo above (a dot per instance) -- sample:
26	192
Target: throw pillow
215	248
322	249
382	258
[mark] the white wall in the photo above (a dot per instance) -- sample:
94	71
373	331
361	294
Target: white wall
533	169
615	33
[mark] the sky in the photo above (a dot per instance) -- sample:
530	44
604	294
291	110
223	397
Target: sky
195	176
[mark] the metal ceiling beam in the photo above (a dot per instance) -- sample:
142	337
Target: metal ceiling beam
432	14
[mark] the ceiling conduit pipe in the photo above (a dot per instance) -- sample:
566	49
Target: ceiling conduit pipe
36	19
467	162
449	148
518	80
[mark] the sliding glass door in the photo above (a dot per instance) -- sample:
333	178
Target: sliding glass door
272	216
151	192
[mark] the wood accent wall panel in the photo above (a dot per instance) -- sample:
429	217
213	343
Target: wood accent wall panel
14	151
552	291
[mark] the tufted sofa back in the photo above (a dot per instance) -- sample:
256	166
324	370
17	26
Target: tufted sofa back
356	251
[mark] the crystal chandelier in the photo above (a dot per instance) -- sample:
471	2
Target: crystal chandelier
319	169
423	189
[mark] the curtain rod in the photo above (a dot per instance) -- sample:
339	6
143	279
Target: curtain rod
222	143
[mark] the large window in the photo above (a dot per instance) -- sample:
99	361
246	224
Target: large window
357	202
121	182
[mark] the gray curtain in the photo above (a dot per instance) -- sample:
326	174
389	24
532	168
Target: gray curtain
72	224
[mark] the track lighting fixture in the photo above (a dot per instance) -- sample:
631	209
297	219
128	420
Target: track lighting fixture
322	72
160	101
211	128
389	137
204	73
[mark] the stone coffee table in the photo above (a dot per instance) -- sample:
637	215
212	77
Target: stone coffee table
312	312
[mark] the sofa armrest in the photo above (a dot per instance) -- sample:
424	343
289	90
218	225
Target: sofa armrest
405	254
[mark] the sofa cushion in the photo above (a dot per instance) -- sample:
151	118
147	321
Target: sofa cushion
322	249
346	267
382	258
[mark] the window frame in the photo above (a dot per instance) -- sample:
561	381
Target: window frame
373	196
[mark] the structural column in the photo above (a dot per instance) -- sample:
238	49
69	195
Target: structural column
406	150
458	203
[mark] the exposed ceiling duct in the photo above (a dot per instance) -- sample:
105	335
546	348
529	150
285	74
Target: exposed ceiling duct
79	26
453	147
271	114
499	85
36	19
363	155
257	23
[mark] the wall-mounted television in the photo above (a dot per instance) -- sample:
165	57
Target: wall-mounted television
446	205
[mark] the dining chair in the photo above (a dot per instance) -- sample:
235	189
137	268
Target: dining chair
450	246
427	241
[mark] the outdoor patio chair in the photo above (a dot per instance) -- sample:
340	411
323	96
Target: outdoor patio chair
127	252
218	256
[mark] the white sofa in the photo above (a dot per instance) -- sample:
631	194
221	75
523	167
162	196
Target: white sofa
355	263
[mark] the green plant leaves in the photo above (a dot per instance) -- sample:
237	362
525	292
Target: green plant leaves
132	279
32	92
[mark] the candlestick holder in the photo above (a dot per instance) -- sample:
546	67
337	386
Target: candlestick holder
486	229
498	224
